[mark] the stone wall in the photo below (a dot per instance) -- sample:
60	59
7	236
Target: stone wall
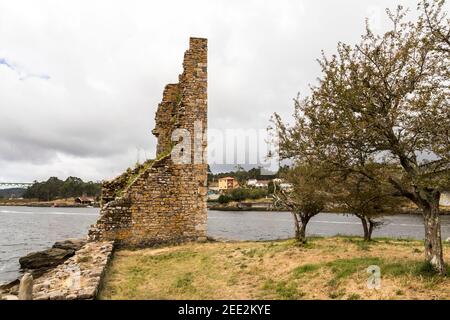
163	201
78	278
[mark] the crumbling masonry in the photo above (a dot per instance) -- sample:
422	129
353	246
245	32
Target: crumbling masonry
163	201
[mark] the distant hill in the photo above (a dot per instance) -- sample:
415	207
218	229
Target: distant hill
12	193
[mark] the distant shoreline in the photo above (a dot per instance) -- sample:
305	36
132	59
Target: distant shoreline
45	205
444	211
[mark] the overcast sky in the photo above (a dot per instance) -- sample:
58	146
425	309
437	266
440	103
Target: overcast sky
80	81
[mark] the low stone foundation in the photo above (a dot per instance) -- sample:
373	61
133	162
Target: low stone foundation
79	277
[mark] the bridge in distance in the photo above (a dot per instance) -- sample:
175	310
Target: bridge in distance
5	185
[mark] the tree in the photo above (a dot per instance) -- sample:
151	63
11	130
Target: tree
435	20
72	187
54	188
306	199
271	187
238	194
365	198
385	100
223	199
91	189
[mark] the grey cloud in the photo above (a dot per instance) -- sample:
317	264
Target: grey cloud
109	61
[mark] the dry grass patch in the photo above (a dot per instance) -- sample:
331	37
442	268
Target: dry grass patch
327	268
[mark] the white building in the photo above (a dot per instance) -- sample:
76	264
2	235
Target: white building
286	186
262	184
257	183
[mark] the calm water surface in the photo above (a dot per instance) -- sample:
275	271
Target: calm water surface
24	229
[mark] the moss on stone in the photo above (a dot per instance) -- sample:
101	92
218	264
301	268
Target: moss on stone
137	172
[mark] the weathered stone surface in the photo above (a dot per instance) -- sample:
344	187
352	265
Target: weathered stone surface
39	262
8	286
70	244
26	287
45	259
79	277
162	200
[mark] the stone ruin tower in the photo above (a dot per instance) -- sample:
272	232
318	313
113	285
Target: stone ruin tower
162	200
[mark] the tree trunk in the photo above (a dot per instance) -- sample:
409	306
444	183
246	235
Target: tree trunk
367	228
433	242
302	232
297	226
300	227
371	225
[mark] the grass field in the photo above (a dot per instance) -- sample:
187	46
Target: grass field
326	268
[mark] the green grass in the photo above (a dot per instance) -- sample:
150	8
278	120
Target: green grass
425	269
170	256
184	282
395	241
360	243
422	268
285	290
397	269
343	268
141	168
272	270
299	271
363	245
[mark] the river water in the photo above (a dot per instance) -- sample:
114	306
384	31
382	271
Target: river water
25	229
